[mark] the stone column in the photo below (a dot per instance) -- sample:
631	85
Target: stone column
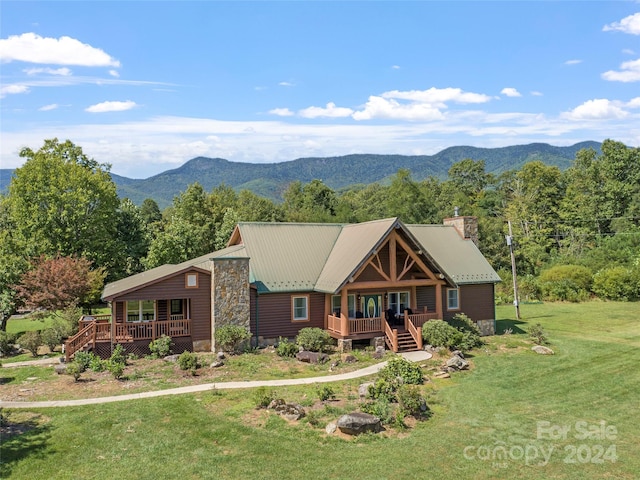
230	294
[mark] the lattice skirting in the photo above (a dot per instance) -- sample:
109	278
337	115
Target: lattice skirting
141	348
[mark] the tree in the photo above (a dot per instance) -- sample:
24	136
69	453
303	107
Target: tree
406	200
134	236
150	212
57	283
62	202
313	202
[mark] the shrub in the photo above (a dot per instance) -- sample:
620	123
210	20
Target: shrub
325	392
402	371
188	361
75	370
51	338
538	335
97	364
119	355
161	347
83	360
70	318
313	339
617	283
31	341
286	348
382	389
115	368
229	337
439	333
6	343
380	408
263	396
566	283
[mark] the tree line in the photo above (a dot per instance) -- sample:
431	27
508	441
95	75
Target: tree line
577	231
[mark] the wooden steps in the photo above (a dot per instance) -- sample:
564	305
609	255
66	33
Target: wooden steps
406	343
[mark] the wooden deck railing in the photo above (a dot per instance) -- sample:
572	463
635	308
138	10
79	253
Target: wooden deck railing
419	319
413	329
354	326
391	337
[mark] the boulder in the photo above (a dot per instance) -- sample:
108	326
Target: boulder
458	353
542	350
348	358
358	422
60	368
221	355
456	363
330	428
363	389
171	358
290	411
217	364
442	375
312	357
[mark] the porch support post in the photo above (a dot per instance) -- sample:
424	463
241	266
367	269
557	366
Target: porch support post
439	300
393	266
344	312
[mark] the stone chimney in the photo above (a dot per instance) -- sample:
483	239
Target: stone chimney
466	226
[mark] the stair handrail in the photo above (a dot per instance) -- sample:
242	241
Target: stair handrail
416	332
392	335
75	343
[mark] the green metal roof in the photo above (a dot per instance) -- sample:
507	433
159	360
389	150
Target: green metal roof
295	257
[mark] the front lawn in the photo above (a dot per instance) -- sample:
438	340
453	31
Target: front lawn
515	414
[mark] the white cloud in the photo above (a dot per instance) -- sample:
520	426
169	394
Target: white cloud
287	84
573	62
633	103
47	108
281	112
114	73
379	107
535	93
438	96
628	51
629	72
395	67
63	71
111	107
630	24
510	92
13	89
596	109
32	48
330	111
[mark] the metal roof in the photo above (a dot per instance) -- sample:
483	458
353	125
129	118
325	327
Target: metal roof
290	257
460	259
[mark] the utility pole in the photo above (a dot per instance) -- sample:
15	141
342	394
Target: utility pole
516	301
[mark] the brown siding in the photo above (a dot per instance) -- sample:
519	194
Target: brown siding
274	315
174	287
476	302
426	297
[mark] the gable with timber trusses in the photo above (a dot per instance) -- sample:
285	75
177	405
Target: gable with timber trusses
398	259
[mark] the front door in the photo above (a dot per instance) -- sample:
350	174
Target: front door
371	306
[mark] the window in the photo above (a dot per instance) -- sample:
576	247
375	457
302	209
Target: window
453	299
191	280
300	308
399	302
336	304
141	310
176	307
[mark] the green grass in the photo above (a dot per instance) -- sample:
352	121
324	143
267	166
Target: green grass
592	378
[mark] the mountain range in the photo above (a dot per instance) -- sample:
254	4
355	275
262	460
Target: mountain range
271	179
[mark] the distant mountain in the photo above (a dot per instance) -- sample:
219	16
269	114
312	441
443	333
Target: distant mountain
271	179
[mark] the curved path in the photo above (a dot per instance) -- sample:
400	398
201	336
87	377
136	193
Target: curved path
412	356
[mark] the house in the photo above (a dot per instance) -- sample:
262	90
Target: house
378	281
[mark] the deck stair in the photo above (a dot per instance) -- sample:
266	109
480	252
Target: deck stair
406	343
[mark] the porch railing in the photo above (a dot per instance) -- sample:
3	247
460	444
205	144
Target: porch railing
391	337
419	319
354	326
413	329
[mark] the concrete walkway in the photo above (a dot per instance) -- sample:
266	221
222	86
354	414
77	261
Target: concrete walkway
412	356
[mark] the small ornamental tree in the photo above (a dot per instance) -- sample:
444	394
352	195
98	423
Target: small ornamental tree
57	283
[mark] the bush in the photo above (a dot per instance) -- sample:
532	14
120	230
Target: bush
119	355
313	339
380	408
538	335
570	283
325	392
470	332
383	389
410	401
286	348
402	371
31	341
188	361
51	338
75	370
160	347
83	360
115	368
439	333
6	343
263	396
617	283
69	321
97	364
229	337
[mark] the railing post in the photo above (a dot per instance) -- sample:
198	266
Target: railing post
419	339
344	324
394	340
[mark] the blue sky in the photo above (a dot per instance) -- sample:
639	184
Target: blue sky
148	85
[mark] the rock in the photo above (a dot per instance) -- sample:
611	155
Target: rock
363	389
330	428
379	353
358	422
334	365
290	411
458	353
442	375
221	355
171	358
61	368
217	364
456	363
348	358
312	357
542	350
